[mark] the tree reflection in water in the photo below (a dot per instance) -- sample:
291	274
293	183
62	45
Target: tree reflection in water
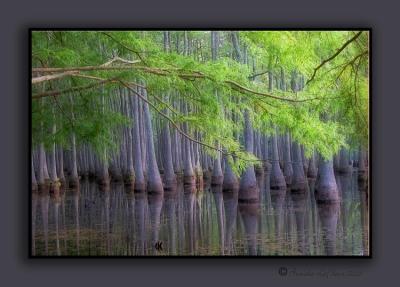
190	220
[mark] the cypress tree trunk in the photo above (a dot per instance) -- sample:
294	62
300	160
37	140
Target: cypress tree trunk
312	169
185	44
283	81
259	170
74	179
217	175
188	174
178	151
305	161
248	190
344	166
265	145
214	45
143	137
270	81
277	181
299	181
169	174
140	183
103	176
230	182
198	168
154	182
44	178
34	182
326	188
130	172
288	167
336	162
362	165
237	55
118	165
52	162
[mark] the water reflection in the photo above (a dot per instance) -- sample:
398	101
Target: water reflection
193	220
140	220
230	199
219	204
170	217
299	208
189	209
155	204
328	213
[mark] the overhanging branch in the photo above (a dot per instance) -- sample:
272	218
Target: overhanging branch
333	56
185	75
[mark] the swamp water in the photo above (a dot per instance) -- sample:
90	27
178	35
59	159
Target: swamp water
94	221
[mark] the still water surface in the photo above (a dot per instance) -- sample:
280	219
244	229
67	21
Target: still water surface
95	222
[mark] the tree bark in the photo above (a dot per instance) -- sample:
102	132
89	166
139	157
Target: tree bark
140	183
299	181
326	188
312	169
248	190
277	181
154	182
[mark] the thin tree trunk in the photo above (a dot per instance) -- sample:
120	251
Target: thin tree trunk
287	161
74	179
140	183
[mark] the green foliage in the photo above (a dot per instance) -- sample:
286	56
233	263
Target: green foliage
215	108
